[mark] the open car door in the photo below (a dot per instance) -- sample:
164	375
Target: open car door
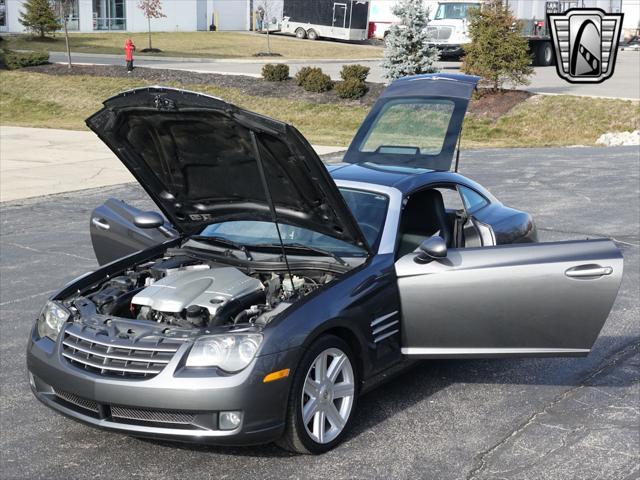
536	299
114	234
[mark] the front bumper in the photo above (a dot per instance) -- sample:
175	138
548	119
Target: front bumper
449	50
177	404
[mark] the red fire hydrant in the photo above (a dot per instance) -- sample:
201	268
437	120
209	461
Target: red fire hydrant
129	48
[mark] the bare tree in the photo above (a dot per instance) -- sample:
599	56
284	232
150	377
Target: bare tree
267	7
151	9
65	10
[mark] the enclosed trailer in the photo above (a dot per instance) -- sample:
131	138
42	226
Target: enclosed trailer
313	19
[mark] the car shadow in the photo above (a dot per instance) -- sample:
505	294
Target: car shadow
425	378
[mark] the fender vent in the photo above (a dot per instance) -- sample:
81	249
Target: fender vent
385	326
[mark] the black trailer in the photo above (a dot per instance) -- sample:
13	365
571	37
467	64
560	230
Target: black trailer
312	19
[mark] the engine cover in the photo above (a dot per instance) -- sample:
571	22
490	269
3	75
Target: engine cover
212	289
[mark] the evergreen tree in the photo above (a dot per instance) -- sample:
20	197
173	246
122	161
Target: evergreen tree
498	52
407	50
39	17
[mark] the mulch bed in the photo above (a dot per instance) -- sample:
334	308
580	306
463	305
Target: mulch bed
485	104
248	85
493	105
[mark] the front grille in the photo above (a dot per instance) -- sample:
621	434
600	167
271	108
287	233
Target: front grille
78	401
130	415
116	357
439	33
152	416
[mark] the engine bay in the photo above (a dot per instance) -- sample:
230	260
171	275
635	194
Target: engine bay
181	290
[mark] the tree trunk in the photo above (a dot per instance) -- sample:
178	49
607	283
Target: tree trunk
149	23
268	41
66	39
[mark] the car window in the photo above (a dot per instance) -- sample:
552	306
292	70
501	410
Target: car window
370	211
410	127
472	200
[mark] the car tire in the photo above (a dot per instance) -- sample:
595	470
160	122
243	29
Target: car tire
323	430
301	33
312	34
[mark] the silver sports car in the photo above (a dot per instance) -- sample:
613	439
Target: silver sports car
272	291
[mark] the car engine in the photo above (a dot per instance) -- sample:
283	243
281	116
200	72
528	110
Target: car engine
181	290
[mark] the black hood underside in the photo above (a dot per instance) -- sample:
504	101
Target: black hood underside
195	156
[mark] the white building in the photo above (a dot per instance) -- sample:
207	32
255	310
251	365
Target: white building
118	15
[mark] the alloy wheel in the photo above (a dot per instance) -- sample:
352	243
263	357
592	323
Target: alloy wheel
328	395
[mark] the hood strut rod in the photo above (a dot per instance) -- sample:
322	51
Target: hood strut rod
272	208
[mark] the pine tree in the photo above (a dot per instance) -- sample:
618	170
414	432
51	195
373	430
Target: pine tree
39	17
407	50
498	52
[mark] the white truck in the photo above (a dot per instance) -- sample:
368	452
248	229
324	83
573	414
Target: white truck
449	26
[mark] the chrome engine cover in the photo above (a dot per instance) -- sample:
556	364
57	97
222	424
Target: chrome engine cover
209	288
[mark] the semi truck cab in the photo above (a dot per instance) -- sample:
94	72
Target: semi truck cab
448	29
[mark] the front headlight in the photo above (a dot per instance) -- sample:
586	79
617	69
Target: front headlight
231	352
51	320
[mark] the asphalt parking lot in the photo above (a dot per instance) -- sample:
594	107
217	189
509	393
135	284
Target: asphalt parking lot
516	419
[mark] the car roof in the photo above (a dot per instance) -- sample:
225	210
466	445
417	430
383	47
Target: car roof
404	179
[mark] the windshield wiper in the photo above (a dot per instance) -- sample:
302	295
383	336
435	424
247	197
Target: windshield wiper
308	248
225	242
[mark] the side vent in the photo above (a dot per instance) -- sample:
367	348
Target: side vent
385	326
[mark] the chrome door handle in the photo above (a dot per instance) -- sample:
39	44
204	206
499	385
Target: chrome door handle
588	271
100	223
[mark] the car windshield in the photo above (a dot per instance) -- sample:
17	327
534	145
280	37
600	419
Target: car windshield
410	127
456	11
368	208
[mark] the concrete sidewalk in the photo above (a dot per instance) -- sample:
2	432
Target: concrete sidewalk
41	161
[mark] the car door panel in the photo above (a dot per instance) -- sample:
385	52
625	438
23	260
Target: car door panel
521	299
114	235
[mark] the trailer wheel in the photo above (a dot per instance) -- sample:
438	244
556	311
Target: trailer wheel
544	54
312	34
300	33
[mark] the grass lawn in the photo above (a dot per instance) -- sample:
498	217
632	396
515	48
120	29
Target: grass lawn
39	100
196	44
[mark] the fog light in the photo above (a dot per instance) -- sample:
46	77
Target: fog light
230	420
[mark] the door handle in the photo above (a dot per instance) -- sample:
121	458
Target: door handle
100	223
588	271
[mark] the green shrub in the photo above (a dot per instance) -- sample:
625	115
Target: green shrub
303	73
15	60
317	81
275	72
359	72
353	88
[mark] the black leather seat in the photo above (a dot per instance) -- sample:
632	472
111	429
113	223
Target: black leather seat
423	217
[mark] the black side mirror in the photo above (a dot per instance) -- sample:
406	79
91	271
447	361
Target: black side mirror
432	248
148	220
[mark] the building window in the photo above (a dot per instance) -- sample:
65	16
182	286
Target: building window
109	15
73	17
3	14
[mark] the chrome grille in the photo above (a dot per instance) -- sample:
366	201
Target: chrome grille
77	401
152	416
116	357
439	33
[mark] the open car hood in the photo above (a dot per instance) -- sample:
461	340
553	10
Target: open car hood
195	156
416	122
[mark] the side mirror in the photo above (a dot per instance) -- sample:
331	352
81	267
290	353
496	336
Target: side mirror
432	248
148	220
